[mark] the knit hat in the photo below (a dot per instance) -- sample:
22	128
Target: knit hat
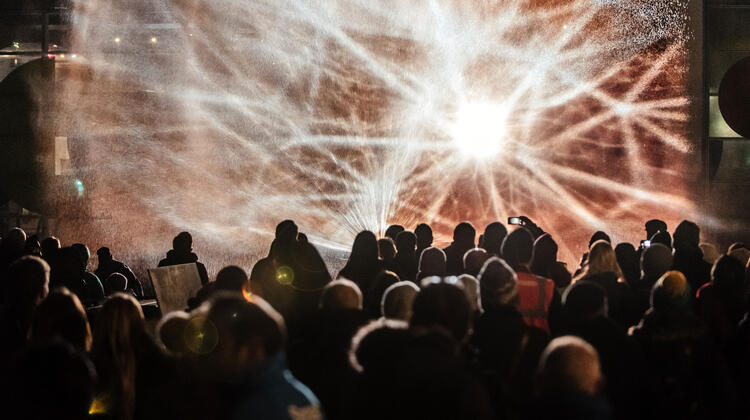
498	284
670	292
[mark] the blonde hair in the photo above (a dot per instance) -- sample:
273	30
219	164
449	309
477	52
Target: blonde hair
601	259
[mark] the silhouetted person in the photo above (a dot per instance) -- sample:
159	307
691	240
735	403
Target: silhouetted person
249	356
655	226
663	238
33	247
11	249
508	349
431	263
678	353
374	297
397	301
688	257
493	237
321	359
61	317
424	237
412	374
117	283
363	264
721	303
443	303
182	253
387	251
133	373
655	261
69	270
108	265
392	231
544	262
406	256
27	284
463	240
51	381
599	236
233	279
585	314
627	259
570	381
170	332
49	246
473	260
539	299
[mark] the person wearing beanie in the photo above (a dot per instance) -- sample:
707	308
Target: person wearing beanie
678	353
688	257
499	333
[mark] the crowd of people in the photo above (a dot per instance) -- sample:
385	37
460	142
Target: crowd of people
491	327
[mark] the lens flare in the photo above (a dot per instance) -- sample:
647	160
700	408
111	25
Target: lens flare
352	115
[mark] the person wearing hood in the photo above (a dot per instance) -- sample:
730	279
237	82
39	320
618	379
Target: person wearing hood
182	253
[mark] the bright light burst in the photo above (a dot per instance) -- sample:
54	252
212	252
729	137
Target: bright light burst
350	115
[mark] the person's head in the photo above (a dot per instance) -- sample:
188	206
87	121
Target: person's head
119	335
341	294
387	249
286	231
32	247
61	316
114	283
570	365
655	261
728	277
432	262
232	279
687	235
735	245
247	333
83	254
599	236
442	303
671	292
383	281
464	234
493	237
397	301
474	260
498	284
377	345
365	247
627	259
15	241
50	381
406	243
710	253
663	238
103	254
602	259
183	242
424	235
740	254
392	231
471	288
543	255
27	283
584	300
654	226
170	332
517	248
49	246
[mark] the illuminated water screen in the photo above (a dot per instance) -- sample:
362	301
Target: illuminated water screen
351	115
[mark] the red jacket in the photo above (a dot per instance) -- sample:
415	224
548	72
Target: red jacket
535	293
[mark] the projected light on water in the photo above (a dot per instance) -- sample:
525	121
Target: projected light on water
350	115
